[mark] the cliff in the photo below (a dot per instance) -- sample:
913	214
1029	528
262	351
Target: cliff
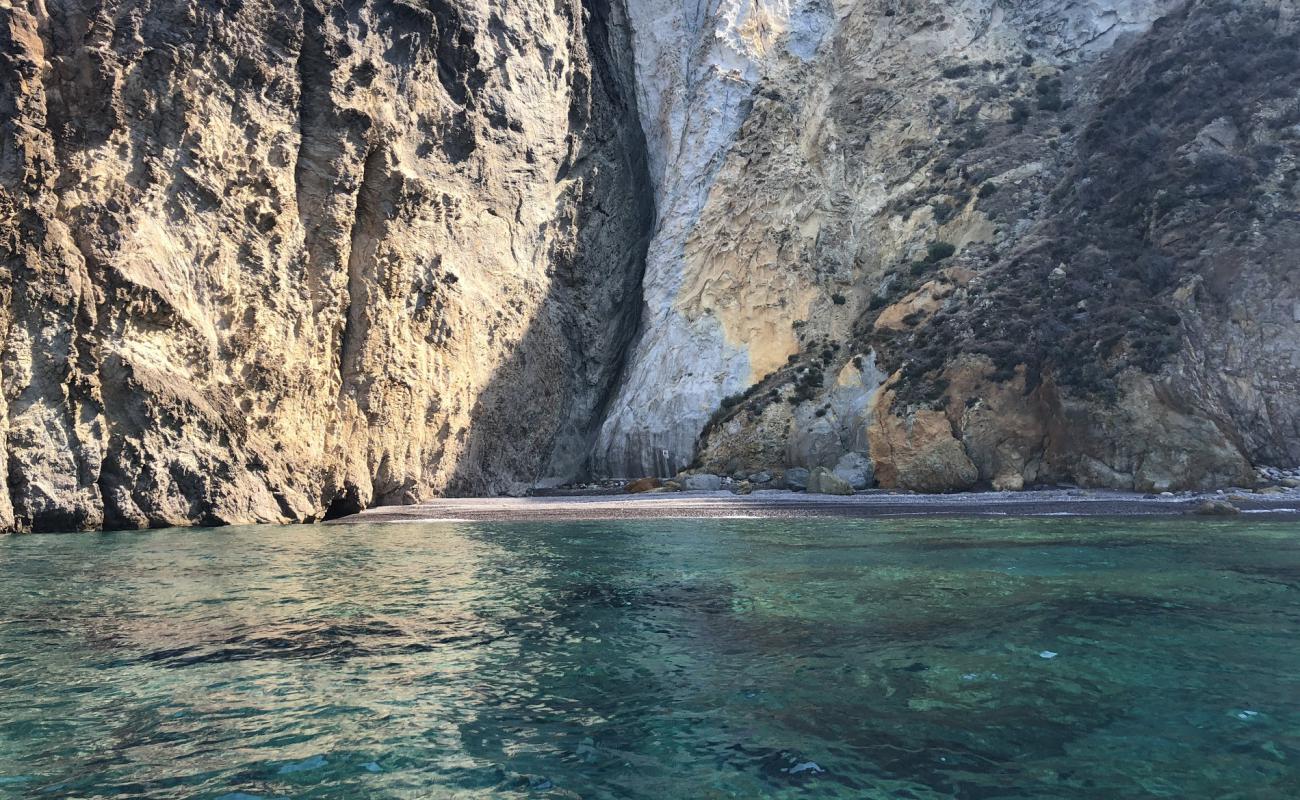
275	261
271	261
976	244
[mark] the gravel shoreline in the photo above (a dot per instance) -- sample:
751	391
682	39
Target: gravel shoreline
786	504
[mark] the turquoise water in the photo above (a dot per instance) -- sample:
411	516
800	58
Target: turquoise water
1046	658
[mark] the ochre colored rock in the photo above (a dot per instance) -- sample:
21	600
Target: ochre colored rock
918	452
1147	442
642	485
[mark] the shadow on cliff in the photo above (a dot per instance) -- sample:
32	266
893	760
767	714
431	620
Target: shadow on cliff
538	416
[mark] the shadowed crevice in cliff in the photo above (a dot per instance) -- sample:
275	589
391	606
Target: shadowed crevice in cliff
330	140
570	357
314	72
367	226
365	270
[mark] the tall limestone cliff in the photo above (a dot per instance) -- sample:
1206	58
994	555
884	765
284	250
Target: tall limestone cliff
271	260
268	261
974	243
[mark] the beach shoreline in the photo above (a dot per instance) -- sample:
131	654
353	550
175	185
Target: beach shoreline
785	504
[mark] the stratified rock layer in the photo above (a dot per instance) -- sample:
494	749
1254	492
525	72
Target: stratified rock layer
266	261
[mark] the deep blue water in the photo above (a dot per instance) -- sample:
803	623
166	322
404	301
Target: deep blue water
1043	658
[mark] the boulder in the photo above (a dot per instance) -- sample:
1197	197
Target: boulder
743	487
813	440
1217	508
702	483
918	451
796	478
823	481
856	470
642	485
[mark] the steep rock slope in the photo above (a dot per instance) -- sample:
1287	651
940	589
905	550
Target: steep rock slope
982	243
697	68
265	260
271	261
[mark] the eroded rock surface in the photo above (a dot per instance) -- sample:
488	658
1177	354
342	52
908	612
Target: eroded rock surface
272	261
1066	230
266	261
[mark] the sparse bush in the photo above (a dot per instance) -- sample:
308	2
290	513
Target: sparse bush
1049	94
938	251
1020	112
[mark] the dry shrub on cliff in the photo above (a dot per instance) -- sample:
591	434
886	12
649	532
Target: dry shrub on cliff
1171	166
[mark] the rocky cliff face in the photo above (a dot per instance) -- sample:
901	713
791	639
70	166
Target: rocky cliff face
981	243
269	261
265	261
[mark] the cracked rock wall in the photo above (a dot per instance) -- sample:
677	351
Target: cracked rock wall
268	261
1051	233
273	261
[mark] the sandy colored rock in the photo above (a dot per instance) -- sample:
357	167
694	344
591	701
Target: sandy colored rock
918	452
823	481
268	262
1148	442
1217	508
642	485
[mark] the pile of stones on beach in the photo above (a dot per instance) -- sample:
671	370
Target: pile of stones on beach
1271	481
846	479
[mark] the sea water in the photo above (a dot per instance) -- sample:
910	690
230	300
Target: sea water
921	658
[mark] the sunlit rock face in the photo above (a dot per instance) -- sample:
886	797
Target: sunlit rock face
277	261
774	133
698	67
1057	231
264	261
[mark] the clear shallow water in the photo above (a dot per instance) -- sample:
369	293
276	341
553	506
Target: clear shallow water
1058	658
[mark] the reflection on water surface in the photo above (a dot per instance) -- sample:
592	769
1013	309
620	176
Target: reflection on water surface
1071	658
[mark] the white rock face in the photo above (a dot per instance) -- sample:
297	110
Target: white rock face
697	66
741	244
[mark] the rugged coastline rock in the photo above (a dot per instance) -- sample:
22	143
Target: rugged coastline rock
1058	238
276	261
270	262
